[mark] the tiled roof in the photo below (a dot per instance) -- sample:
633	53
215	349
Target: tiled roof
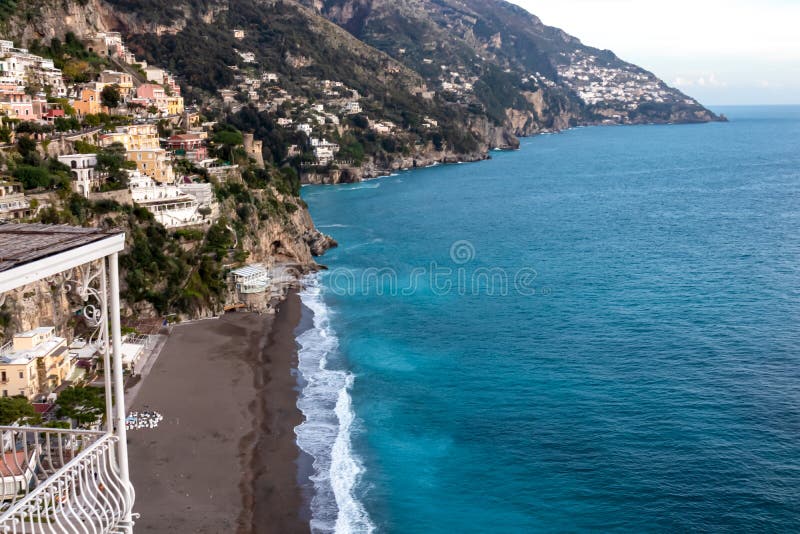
24	243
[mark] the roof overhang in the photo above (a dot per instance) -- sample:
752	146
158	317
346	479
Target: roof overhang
30	272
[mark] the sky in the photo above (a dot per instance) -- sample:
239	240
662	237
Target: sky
722	52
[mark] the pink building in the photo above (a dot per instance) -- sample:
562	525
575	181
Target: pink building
189	146
17	105
150	91
154	94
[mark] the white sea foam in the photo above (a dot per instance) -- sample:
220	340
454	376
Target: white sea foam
325	433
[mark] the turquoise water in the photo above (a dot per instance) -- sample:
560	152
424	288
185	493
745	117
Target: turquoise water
614	347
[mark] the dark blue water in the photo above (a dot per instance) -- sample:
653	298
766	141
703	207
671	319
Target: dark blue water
596	332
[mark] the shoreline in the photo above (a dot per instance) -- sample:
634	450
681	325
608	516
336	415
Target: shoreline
272	490
225	458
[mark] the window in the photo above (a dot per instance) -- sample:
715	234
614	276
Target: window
22	374
5	393
22	392
3	376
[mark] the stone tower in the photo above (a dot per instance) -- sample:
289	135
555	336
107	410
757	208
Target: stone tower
253	148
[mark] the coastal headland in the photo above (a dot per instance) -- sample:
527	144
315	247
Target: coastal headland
224	459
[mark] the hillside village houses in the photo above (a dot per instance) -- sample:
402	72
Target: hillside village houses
324	151
169	205
190	146
143	148
175	201
34	363
20	68
89	100
85	178
13	203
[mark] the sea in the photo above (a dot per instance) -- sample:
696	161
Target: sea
599	331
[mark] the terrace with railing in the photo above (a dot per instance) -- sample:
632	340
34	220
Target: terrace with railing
56	480
59	480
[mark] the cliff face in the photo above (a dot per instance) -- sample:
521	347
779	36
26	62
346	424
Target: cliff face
36	305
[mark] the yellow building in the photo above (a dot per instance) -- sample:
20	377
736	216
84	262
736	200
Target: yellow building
133	137
153	162
123	80
35	362
174	105
89	102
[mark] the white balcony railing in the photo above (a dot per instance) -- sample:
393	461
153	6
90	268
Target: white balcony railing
70	481
57	480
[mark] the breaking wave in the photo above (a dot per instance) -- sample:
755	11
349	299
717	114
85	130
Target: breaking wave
325	433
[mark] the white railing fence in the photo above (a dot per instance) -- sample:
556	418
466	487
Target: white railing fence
56	480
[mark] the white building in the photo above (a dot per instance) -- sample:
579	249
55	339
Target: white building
351	107
305	128
13	203
204	194
382	127
247	57
84	175
324	151
250	279
154	74
169	205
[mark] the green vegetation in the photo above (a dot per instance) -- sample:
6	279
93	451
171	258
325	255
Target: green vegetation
7	8
111	160
75	61
85	405
227	141
17	409
33	171
110	96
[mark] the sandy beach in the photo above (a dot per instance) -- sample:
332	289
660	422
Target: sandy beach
224	459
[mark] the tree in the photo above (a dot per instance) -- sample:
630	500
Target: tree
76	71
227	140
110	96
13	409
32	177
26	147
84	405
112	161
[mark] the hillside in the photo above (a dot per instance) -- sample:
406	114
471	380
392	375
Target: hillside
527	75
484	71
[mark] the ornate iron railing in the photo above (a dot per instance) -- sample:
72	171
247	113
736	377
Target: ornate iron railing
56	480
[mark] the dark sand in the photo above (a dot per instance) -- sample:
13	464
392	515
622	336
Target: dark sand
224	459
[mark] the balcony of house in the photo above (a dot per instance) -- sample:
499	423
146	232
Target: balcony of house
59	480
56	480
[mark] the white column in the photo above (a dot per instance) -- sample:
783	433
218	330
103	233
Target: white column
106	354
119	386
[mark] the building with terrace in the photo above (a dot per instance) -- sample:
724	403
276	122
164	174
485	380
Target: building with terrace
13	203
252	278
85	178
34	363
59	480
168	204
